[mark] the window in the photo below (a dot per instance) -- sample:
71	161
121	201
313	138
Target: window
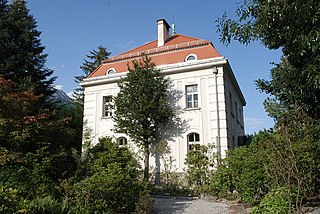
230	104
192	96
236	110
107	106
111	71
193	141
122	141
191	57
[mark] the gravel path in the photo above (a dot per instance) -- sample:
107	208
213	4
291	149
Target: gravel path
190	206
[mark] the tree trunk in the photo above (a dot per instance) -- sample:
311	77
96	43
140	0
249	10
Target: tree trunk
146	162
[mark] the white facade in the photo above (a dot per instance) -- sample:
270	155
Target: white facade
213	113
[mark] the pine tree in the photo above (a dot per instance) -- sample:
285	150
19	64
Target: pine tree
39	135
21	56
89	65
96	57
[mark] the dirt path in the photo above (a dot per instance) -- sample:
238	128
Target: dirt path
171	205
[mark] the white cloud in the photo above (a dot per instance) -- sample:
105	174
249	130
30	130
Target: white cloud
70	94
125	45
254	122
58	87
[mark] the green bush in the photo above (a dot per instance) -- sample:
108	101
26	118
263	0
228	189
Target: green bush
110	189
200	162
145	203
111	182
242	174
46	205
274	202
9	200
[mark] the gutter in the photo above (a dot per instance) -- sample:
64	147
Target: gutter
215	73
165	70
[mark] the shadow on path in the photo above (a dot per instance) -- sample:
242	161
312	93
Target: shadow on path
168	205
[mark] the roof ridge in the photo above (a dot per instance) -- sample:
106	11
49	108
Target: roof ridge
145	44
162	49
133	52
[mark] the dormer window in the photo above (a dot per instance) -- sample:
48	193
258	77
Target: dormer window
191	57
111	71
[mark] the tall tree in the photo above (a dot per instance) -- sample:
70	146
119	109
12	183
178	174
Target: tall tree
21	55
93	61
142	107
293	26
37	136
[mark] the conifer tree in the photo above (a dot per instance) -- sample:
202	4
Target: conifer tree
21	56
93	61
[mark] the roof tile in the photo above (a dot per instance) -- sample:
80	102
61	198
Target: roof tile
175	50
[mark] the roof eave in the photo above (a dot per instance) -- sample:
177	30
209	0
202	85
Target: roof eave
165	70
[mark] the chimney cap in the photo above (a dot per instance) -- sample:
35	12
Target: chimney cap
165	22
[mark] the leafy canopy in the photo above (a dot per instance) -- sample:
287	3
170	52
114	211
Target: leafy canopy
293	26
142	107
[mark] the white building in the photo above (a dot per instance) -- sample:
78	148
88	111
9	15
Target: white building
211	102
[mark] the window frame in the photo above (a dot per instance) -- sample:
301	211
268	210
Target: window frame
194	102
193	144
190	55
120	143
107	110
111	71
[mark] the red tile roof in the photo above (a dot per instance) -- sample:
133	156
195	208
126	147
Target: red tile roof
175	50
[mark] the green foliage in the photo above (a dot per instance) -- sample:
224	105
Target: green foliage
37	136
96	57
142	108
274	202
45	205
94	61
112	189
40	169
21	56
170	181
293	157
242	173
200	162
145	203
294	27
110	180
9	200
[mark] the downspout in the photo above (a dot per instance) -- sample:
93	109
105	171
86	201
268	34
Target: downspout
215	72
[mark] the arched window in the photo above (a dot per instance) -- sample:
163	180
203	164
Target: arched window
193	141
122	141
191	57
111	71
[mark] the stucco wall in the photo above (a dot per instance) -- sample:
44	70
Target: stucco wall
202	120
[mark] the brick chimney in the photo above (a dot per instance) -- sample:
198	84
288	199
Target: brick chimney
163	31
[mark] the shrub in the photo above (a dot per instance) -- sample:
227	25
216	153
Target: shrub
145	203
242	172
9	200
112	189
46	205
274	202
111	182
199	163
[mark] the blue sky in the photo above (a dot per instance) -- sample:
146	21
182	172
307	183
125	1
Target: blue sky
71	28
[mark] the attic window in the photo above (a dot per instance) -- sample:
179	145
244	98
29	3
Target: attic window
111	71
191	57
